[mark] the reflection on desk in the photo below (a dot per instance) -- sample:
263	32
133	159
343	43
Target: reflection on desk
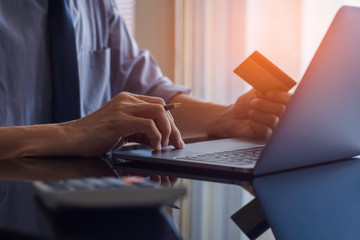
30	169
320	202
23	213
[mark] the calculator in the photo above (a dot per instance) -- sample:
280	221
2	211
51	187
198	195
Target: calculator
105	192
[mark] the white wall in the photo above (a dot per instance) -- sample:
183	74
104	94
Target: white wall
316	18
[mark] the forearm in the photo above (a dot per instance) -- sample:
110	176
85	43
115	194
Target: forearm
36	140
195	117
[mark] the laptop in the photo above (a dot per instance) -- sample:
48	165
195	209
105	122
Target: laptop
321	122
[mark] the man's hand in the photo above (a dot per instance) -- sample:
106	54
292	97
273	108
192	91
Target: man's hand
135	117
252	116
126	115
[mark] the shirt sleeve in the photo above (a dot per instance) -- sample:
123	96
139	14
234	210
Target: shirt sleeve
132	69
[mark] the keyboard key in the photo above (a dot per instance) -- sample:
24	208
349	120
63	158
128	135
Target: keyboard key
242	157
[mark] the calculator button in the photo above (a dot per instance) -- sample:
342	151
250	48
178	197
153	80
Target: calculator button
96	183
55	185
78	184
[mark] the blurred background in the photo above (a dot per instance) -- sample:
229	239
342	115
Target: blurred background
198	43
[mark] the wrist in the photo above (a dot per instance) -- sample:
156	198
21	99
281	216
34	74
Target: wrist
48	140
219	127
73	137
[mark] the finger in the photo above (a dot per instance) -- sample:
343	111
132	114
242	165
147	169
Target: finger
175	136
266	106
164	127
121	142
140	98
260	130
139	138
136	98
269	120
139	108
154	111
155	178
151	131
157	113
143	126
128	97
173	180
149	99
170	115
257	93
165	181
279	97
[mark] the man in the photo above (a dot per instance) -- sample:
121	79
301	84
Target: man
110	66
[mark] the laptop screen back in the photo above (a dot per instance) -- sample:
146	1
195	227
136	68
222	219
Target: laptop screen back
322	121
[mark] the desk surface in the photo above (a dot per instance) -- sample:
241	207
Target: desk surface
321	202
314	203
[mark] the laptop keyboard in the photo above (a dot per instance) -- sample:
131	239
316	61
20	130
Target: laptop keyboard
241	157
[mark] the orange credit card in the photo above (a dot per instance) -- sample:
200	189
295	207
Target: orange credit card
263	75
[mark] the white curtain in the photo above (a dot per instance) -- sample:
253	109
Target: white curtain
210	44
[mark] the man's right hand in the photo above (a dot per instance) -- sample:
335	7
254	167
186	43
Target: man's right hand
135	117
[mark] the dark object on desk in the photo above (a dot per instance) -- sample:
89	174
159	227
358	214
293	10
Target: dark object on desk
251	219
129	168
135	223
13	235
21	212
105	193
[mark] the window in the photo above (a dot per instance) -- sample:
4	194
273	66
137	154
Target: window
127	11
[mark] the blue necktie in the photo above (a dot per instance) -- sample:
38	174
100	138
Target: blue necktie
64	66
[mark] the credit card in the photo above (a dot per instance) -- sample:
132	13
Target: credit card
263	75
